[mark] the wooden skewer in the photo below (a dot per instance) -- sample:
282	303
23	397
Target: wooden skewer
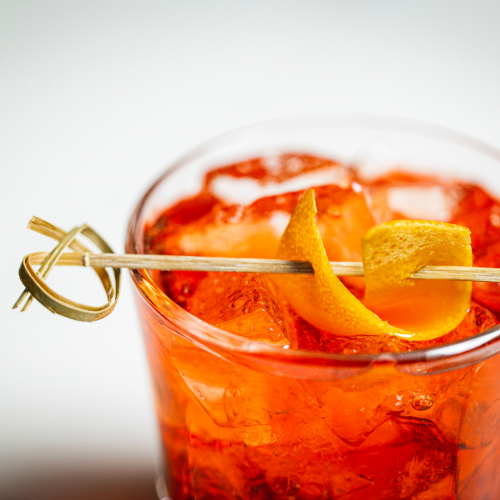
267	266
35	286
34	281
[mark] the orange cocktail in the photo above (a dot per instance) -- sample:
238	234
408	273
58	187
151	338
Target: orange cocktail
256	402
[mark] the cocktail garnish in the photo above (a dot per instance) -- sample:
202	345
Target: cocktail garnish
393	251
322	299
325	302
299	269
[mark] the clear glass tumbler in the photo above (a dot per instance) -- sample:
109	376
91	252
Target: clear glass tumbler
242	419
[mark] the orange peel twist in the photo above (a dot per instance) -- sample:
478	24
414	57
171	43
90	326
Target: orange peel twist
391	253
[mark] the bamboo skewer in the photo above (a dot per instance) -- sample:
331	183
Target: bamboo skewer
240	265
34	281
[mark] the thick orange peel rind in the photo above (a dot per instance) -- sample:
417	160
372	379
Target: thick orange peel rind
392	251
324	301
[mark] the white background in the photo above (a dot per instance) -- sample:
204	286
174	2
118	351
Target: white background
97	97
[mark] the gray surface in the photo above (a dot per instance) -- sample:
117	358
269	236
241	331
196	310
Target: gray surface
91	90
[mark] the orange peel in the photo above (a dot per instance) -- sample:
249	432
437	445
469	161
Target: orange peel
392	251
324	301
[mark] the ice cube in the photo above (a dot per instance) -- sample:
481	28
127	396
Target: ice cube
240	303
414	201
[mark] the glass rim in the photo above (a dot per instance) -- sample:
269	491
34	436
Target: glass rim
213	337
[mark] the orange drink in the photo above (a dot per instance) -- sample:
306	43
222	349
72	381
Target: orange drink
258	397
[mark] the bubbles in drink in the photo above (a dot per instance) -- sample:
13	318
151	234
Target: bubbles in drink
421	403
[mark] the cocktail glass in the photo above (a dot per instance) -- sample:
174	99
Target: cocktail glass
243	419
